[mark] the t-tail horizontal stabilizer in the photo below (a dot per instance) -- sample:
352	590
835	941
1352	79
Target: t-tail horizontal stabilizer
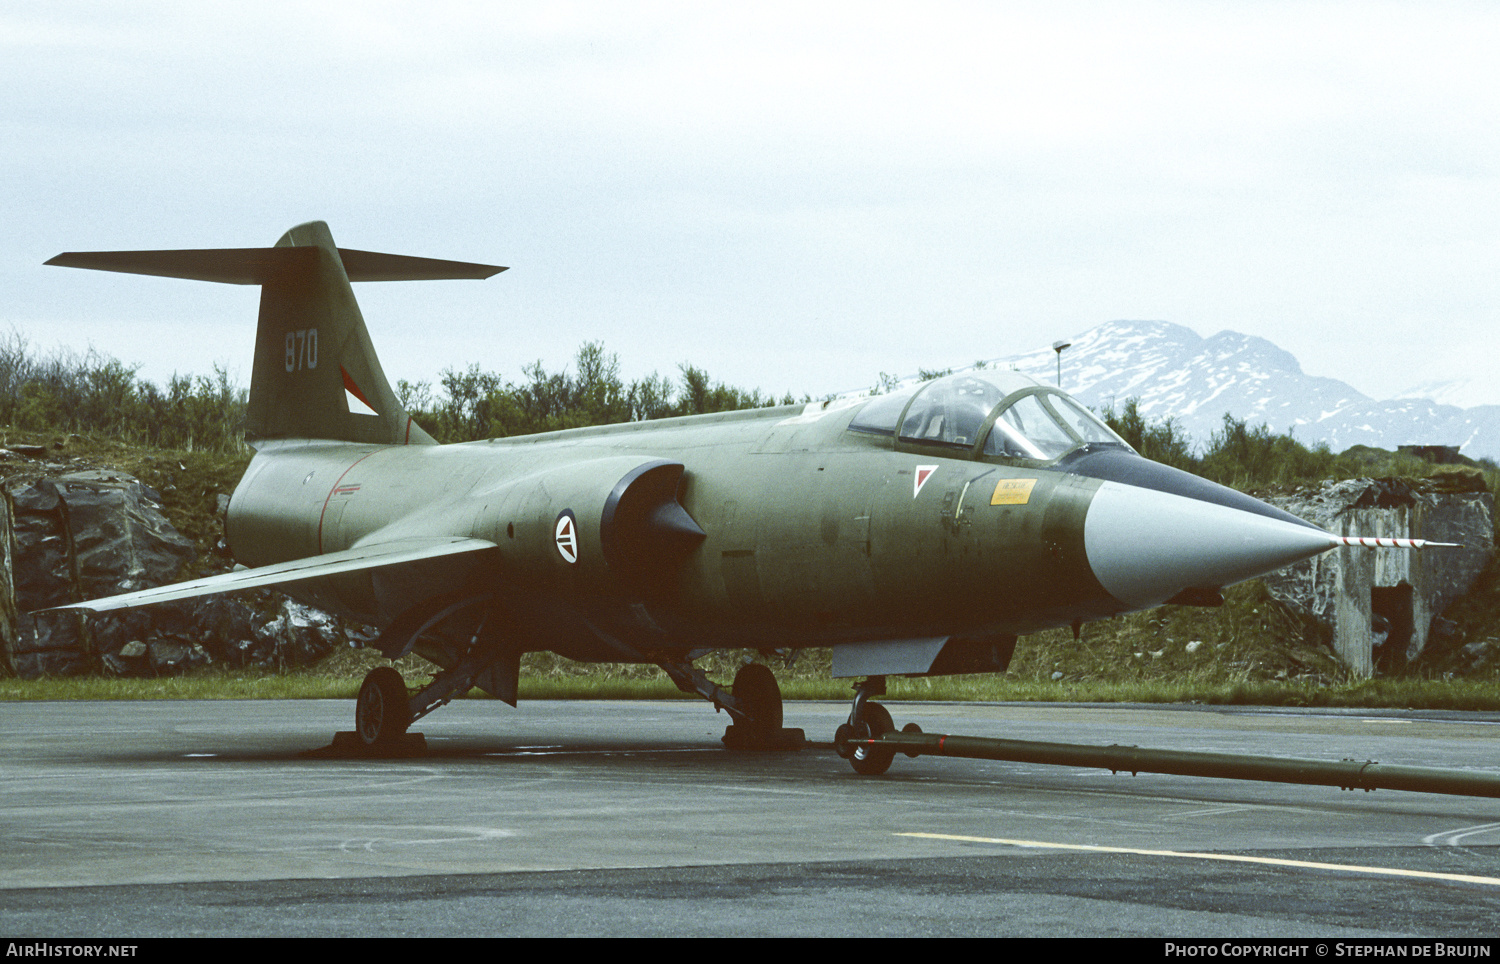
315	374
258	266
329	564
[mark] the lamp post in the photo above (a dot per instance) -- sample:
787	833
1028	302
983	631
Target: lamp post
1058	347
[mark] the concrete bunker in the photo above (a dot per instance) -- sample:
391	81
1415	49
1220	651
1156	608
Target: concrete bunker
1381	604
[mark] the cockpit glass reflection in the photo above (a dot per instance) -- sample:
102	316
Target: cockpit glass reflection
1082	422
1027	430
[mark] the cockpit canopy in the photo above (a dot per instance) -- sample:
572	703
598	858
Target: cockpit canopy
1015	416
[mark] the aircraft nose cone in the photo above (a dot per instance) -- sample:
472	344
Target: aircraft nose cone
1146	546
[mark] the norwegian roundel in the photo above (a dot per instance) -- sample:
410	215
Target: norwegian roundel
566	532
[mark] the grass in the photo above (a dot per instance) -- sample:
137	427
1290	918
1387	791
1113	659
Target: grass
210	685
608	682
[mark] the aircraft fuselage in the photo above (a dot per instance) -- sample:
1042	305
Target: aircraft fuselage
814	535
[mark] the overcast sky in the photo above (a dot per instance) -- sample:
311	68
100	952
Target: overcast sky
795	197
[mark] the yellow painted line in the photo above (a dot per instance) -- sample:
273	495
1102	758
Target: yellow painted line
1231	858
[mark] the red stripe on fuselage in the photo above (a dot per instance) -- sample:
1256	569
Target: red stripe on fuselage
334	489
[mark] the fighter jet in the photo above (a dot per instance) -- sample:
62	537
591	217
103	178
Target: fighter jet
915	533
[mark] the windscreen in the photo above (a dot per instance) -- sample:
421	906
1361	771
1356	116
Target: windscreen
1044	427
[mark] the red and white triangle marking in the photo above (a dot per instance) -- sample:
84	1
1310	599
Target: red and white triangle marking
354	398
924	472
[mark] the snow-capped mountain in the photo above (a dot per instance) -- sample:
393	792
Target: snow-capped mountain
1178	374
1458	392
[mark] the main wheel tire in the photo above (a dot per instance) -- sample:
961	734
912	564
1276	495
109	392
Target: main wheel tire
872	761
755	686
381	713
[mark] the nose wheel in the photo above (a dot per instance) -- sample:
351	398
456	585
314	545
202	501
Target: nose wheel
872	761
867	721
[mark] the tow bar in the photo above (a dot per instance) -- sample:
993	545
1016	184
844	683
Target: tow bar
1345	774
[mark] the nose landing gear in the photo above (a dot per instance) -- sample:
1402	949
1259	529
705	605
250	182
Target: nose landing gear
867	721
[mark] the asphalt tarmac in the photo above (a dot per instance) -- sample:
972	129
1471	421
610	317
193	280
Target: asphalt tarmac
144	819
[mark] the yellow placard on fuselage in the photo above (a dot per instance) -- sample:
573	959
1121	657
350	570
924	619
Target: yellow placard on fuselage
1013	492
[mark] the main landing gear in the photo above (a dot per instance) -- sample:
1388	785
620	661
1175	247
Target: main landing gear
759	727
381	713
385	711
753	702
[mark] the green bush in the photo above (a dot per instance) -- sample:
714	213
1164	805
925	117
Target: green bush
475	404
68	392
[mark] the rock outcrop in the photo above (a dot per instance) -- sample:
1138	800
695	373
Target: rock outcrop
84	534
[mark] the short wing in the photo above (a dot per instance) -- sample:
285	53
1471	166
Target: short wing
329	564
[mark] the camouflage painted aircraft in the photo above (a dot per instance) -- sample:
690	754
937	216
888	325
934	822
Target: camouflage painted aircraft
915	533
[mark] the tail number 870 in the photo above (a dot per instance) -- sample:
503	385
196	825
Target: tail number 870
301	349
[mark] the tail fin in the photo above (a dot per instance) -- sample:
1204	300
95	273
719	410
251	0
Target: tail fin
315	373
